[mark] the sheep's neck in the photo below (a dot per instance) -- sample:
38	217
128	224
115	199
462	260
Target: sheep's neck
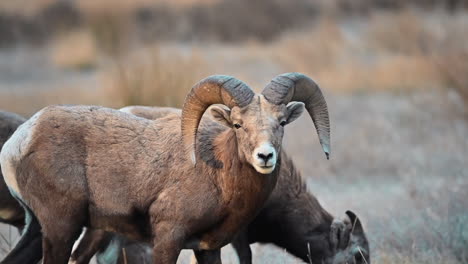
244	191
237	172
313	232
295	215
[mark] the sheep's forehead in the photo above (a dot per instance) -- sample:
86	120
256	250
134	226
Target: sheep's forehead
259	110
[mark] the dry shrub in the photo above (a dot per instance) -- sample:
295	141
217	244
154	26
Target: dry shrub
394	74
74	50
312	50
38	23
24	7
364	6
400	51
111	28
451	54
341	64
439	38
223	20
153	77
28	103
454	67
401	33
203	20
133	5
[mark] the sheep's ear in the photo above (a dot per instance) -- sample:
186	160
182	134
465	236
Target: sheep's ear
294	110
221	115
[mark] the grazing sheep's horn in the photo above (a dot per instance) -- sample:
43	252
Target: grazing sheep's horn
216	89
289	87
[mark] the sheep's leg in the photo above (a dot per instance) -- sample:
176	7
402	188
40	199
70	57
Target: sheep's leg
208	256
92	242
242	246
167	243
60	230
57	244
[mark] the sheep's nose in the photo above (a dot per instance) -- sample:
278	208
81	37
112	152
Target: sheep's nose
265	157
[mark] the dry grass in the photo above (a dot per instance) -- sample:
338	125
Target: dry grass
402	51
75	50
153	77
28	103
111	29
24	7
454	69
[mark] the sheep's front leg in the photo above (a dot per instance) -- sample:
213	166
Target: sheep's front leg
242	246
167	243
208	256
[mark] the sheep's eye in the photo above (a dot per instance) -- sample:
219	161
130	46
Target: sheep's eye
283	123
237	126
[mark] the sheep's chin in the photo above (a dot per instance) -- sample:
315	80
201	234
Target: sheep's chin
264	170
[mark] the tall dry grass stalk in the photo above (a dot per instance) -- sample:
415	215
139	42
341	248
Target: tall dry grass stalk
153	77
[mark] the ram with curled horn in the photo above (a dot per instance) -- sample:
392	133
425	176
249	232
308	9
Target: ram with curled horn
171	182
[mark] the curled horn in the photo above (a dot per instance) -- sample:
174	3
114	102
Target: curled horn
289	87
216	89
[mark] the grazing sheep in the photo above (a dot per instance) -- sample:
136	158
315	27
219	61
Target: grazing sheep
11	211
110	248
165	182
292	219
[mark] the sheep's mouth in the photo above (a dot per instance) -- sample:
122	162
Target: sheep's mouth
265	169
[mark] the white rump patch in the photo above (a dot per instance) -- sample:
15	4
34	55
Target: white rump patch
14	149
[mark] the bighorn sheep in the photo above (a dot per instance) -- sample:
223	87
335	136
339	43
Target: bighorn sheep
11	211
292	219
166	181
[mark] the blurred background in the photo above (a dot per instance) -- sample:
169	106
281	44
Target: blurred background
394	73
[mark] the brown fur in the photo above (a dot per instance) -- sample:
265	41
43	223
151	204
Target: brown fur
9	122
